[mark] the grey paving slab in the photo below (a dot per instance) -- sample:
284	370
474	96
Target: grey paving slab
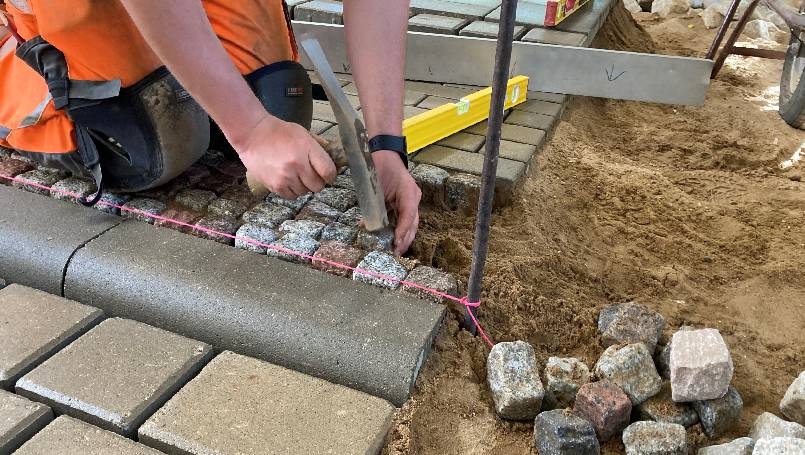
116	375
325	11
528	13
448	8
540	107
508	172
284	313
432	102
69	436
274	411
486	29
33	249
532	120
20	419
587	20
433	23
517	151
550	36
514	133
34	325
464	141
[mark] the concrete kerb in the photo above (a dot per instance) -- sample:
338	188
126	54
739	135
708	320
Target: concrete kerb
40	235
352	334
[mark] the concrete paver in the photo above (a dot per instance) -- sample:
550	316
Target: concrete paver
116	375
432	23
486	29
540	107
34	325
284	313
271	410
69	436
33	249
508	172
531	120
550	36
19	420
449	8
528	13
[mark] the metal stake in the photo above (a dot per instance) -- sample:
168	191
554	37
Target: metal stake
486	199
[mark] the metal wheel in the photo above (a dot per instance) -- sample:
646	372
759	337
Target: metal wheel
792	88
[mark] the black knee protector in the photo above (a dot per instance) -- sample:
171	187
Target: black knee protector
285	90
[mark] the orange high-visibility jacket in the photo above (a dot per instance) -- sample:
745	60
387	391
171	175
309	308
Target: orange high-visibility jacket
101	43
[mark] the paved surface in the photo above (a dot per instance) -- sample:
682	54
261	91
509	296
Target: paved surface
34	325
117	374
288	314
240	405
19	420
33	249
69	436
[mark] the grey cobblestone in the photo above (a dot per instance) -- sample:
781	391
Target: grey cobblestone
307	228
338	198
43	176
110	202
149	206
380	240
382	263
513	377
295	204
197	200
462	192
71	188
268	214
632	369
720	415
351	217
431	23
296	242
431	278
258	232
226	208
339	232
318	211
19	420
647	438
431	180
222	225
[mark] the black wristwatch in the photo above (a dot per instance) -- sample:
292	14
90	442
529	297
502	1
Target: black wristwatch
388	142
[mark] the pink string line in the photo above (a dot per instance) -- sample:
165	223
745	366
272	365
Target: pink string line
461	300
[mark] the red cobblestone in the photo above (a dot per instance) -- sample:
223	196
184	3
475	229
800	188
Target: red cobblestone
606	406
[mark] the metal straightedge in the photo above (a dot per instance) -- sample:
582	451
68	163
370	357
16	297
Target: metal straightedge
555	69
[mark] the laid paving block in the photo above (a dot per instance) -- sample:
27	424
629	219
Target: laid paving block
779	446
431	180
431	278
661	408
443	91
550	36
185	216
34	325
464	141
381	240
486	29
462	192
532	120
740	446
295	204
318	211
319	126
307	228
323	11
339	232
768	425
218	229
261	233
69	436
793	403
273	409
563	378
514	133
631	368
528	13
432	23
143	209
606	406
701	365
559	431
432	102
337	252
513	377
558	98
720	415
538	106
33	249
111	202
72	189
630	323
517	152
13	168
20	419
40	180
449	8
291	246
509	172
116	375
226	208
340	199
645	438
289	315
380	269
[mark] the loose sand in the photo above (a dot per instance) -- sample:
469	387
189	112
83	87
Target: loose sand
683	209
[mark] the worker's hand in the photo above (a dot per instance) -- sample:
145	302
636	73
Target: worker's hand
402	195
285	158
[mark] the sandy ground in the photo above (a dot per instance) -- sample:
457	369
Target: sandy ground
683	209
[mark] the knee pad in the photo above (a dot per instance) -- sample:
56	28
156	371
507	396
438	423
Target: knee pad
285	90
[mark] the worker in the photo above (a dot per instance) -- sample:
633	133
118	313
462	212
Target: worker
124	91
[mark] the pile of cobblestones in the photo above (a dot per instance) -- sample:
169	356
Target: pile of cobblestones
647	393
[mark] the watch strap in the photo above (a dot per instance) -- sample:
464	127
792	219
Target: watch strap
389	142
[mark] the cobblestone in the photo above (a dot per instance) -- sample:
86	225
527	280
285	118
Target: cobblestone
338	252
116	375
268	214
631	368
381	240
606	406
517	152
655	438
306	228
296	242
197	200
351	216
184	215
295	204
110	202
560	432
217	182
43	176
431	180
13	168
340	233
273	409
226	208
149	206
548	36
259	232
793	403
630	323
382	263
532	120
740	446
222	225
768	425
338	198
540	107
19	420
563	377
462	192
71	188
513	377
318	211
701	365
720	415
779	446
660	408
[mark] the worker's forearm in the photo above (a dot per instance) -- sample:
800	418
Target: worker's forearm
180	34
376	31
